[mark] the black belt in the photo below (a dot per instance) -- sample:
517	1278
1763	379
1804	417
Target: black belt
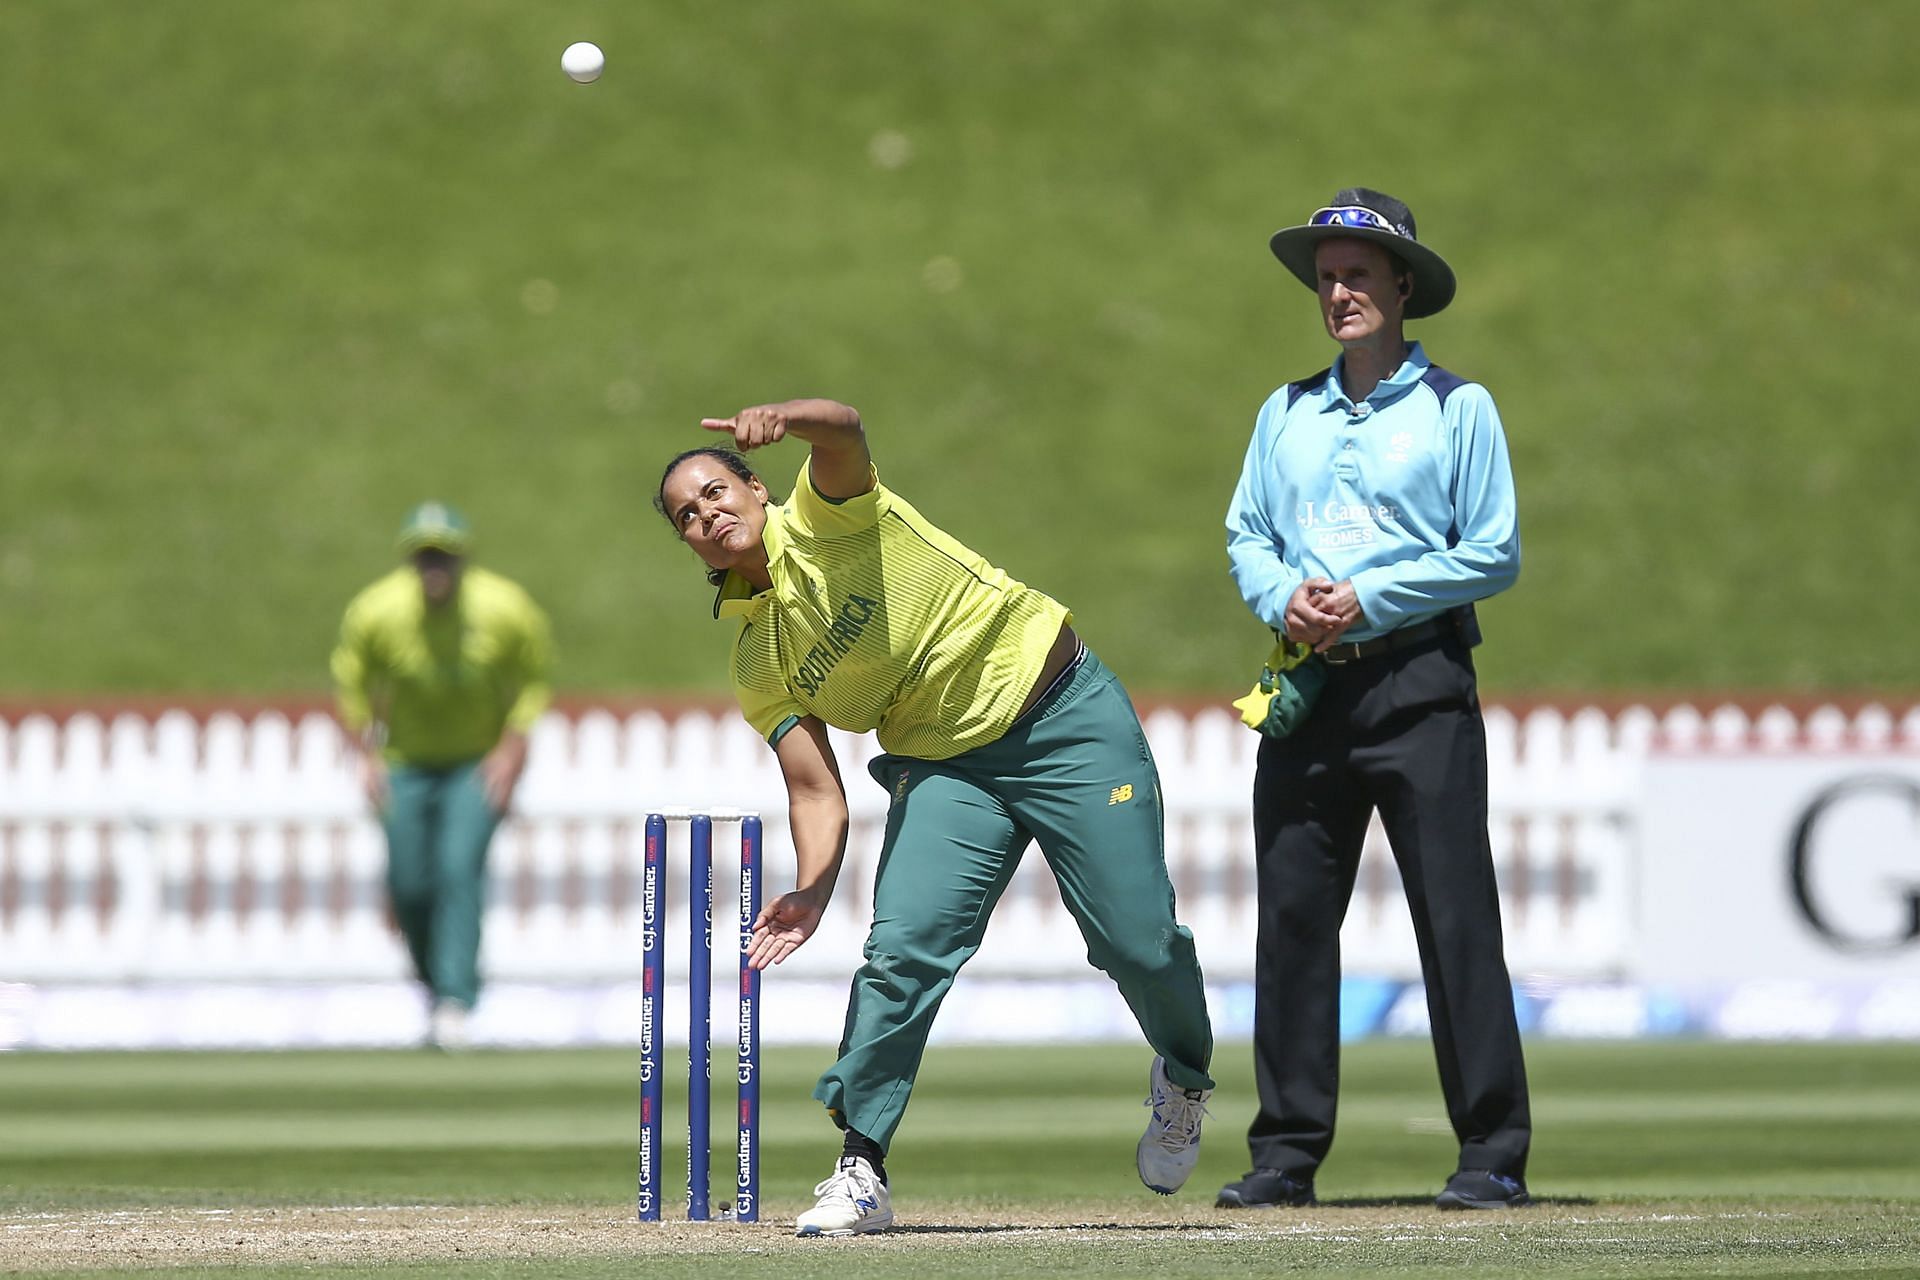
1456	622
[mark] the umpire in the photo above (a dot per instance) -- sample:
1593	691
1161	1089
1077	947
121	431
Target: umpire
440	672
1374	508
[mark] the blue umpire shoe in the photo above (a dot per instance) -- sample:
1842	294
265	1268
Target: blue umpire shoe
1483	1189
1267	1189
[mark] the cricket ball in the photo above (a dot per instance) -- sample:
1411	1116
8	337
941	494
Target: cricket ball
583	62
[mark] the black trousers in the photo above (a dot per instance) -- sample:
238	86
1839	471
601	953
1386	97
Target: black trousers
1400	733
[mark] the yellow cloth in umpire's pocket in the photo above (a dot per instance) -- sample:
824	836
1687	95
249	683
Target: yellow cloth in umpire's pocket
1290	683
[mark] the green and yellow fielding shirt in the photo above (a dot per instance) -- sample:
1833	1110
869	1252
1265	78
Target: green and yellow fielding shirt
444	682
878	620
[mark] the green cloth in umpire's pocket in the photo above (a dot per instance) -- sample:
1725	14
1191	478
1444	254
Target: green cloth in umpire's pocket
1290	683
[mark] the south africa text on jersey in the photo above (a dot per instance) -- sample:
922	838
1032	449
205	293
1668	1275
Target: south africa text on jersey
819	661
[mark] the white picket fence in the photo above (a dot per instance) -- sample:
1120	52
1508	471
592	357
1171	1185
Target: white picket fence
183	848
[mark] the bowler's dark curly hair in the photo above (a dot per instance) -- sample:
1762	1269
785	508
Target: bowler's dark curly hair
727	458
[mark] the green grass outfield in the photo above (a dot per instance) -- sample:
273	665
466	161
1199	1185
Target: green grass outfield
1652	1159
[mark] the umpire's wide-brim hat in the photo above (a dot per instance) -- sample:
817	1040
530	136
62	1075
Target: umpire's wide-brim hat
435	525
1359	213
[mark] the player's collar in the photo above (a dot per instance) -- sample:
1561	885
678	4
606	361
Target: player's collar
736	595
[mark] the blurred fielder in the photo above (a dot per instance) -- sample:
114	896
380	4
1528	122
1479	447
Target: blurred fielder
440	672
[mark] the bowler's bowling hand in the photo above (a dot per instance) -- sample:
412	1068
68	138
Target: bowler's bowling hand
784	924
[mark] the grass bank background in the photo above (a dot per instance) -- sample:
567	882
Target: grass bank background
275	272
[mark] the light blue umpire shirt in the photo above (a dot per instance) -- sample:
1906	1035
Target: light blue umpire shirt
1409	494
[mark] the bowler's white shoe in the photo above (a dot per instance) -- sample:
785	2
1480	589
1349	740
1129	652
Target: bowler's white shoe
1171	1145
852	1202
449	1029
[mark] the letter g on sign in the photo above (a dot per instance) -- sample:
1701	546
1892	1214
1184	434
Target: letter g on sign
1801	850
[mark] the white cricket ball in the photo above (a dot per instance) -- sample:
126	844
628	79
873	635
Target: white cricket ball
583	62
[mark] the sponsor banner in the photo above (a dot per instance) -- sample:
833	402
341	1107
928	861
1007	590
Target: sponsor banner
525	1016
1795	867
535	1016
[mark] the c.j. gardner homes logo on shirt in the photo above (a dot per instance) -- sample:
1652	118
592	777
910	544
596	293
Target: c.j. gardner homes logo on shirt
1343	524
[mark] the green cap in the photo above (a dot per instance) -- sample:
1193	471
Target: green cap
434	524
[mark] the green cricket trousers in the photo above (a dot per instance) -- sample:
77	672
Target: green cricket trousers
1074	775
438	824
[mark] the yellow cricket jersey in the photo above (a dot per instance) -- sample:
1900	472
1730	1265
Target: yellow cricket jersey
878	620
443	682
